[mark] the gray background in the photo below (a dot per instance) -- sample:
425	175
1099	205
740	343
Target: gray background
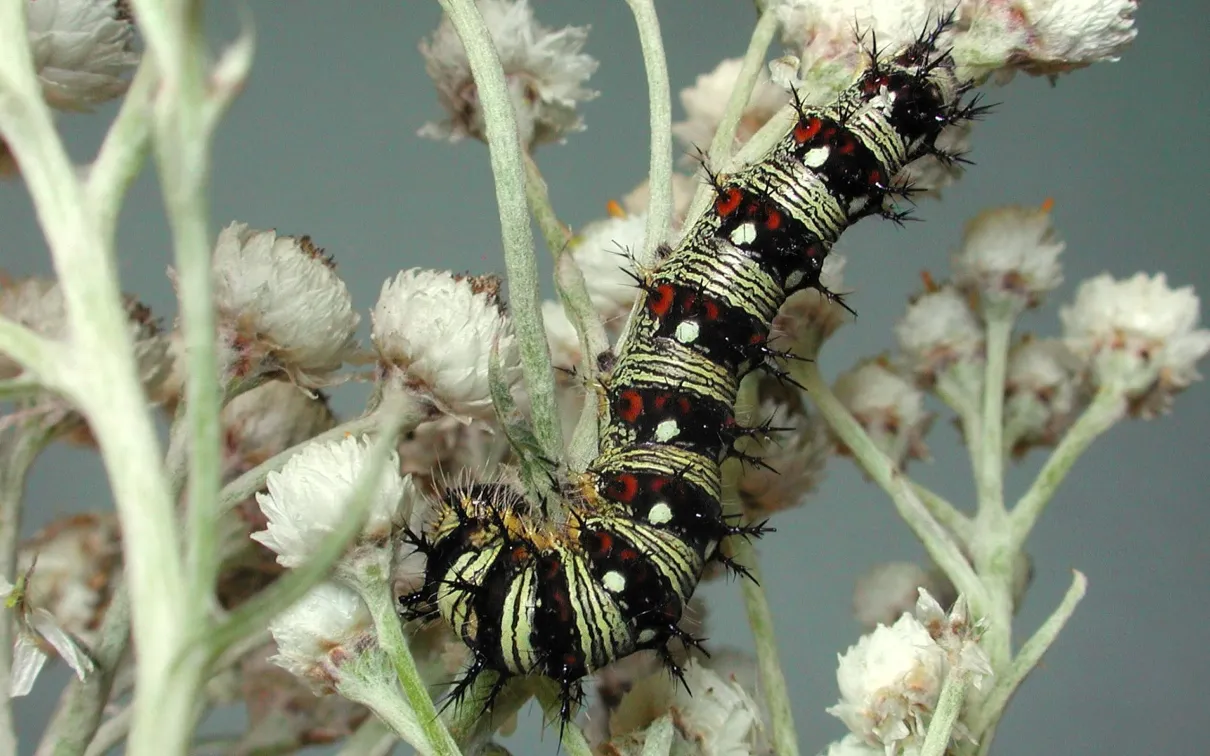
323	143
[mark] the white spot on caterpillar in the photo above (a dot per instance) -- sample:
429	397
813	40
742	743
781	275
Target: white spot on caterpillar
858	204
794	279
816	157
687	332
744	234
659	513
613	581
666	431
647	636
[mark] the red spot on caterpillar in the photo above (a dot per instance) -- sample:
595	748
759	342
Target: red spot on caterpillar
728	201
519	554
710	310
630	405
875	178
623	488
773	220
657	484
660	401
602	543
848	145
684	406
628	555
660	300
806	129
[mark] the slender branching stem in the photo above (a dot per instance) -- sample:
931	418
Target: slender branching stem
659	177
768	660
1005	684
508	168
945	715
1106	409
937	540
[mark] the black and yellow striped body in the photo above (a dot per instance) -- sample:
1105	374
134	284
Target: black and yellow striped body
562	600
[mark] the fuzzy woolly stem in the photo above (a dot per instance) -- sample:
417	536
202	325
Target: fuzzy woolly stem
253	615
989	711
17	454
40	357
946	513
720	146
555	233
121	156
76	720
508	168
991	550
772	680
659	737
106	386
375	591
938	541
254	480
373	738
111	732
659	176
949	707
1106	409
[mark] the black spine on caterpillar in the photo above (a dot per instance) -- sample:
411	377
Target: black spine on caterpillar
563	600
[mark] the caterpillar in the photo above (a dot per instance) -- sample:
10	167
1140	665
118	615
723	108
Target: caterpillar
532	597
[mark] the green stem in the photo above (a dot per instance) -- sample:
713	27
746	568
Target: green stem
376	591
949	707
122	154
749	74
659	737
1106	409
254	480
945	513
372	738
40	357
555	233
112	732
508	168
78	716
105	384
769	669
938	541
993	554
985	717
18	451
659	177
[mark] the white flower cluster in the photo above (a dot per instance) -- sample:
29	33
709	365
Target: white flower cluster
890	681
82	50
1138	338
544	69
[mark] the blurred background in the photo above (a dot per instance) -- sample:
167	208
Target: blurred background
323	142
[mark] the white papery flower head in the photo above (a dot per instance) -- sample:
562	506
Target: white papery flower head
831	36
82	50
795	459
851	745
603	250
889	407
37	304
71	566
281	307
1009	255
885	591
720	718
36	634
929	174
938	330
705	101
309	498
544	69
809	317
889	683
269	419
327	628
1045	37
1041	393
435	332
957	634
1138	334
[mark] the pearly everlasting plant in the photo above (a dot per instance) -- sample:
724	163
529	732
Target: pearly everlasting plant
334	575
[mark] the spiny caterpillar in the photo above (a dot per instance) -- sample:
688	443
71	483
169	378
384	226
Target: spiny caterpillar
562	600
